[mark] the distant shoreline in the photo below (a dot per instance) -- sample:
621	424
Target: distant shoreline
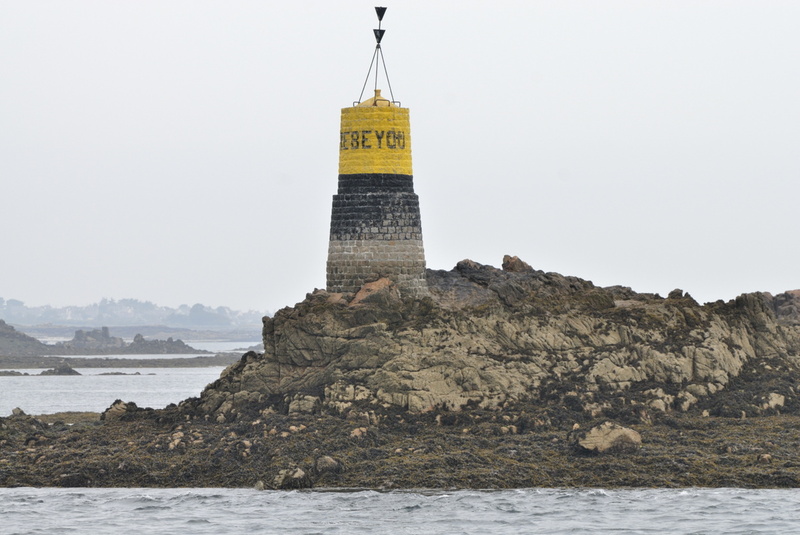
16	363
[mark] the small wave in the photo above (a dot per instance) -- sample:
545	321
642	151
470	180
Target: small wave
597	492
153	508
144	498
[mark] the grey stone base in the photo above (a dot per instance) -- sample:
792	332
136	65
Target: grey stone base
351	263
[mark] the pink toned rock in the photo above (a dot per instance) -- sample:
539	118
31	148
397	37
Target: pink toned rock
514	264
370	289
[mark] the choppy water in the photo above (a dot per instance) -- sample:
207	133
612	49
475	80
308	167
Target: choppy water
555	511
92	391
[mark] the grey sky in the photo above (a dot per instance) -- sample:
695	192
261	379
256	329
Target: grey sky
187	151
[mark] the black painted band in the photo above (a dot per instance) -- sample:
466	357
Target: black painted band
375	183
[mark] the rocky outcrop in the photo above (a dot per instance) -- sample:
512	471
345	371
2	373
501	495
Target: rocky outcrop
786	306
489	338
100	341
13	342
93	341
292	478
61	369
489	382
118	410
141	346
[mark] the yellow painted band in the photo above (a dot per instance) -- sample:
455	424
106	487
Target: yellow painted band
375	139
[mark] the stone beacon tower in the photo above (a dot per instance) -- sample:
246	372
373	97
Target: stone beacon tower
375	222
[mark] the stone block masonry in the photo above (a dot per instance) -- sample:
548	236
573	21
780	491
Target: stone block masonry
376	229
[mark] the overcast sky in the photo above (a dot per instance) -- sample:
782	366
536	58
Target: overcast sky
187	151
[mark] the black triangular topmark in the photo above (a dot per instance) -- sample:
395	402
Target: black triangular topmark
379	35
380	11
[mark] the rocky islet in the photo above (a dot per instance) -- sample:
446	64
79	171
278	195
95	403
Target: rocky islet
499	378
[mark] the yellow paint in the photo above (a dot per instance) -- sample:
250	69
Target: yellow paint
377	100
375	139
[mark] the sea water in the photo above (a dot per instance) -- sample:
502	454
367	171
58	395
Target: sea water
95	391
551	511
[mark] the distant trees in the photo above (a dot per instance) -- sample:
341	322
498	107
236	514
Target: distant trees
129	312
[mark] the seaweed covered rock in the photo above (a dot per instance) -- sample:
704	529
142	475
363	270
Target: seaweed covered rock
292	478
61	369
489	338
19	429
119	410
